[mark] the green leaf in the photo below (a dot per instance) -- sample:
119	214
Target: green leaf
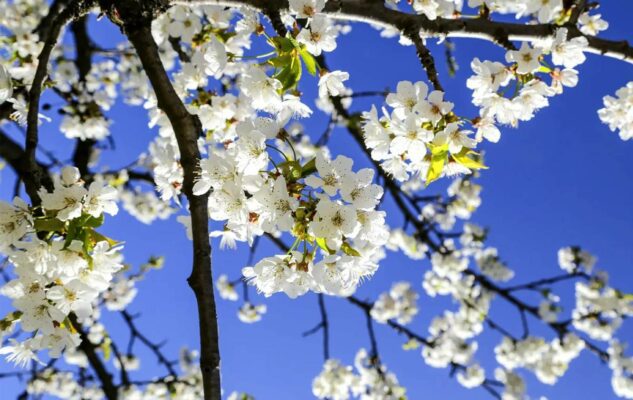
6	322
309	61
223	35
309	168
284	76
545	69
93	222
438	160
412	344
73	231
291	169
322	243
290	74
295	66
106	346
463	159
293	41
280	61
349	250
282	44
49	225
154	262
97	237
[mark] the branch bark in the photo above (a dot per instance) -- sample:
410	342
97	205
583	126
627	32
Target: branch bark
15	156
33	181
84	47
187	129
376	13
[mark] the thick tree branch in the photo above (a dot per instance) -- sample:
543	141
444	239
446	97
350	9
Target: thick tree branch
45	25
83	61
33	181
187	128
578	7
15	156
376	13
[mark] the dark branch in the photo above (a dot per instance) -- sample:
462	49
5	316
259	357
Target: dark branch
34	180
88	348
376	13
187	129
84	48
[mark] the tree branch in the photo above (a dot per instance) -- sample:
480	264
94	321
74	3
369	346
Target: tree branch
88	348
425	57
15	156
578	7
187	128
33	180
84	47
155	348
376	13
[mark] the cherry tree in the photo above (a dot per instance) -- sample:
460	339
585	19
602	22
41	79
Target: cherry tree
230	149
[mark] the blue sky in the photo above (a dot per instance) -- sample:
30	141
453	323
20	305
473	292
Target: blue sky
561	179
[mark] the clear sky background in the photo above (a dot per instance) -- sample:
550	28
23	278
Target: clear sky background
561	179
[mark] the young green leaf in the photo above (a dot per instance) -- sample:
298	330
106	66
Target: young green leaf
280	61
322	243
309	168
349	250
438	160
463	159
282	44
49	225
309	61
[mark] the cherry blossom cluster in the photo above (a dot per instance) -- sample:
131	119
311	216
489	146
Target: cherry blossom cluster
19	21
64	385
330	212
398	304
421	139
63	265
21	43
618	111
507	94
145	206
250	313
549	361
87	100
217	52
319	34
370	381
300	195
551	11
600	309
622	367
575	259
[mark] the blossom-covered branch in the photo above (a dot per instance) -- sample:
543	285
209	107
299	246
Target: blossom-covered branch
430	24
